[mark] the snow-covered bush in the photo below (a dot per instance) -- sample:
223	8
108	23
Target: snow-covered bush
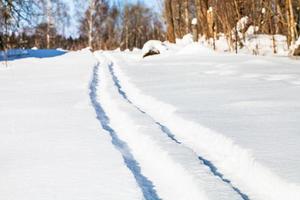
153	47
187	39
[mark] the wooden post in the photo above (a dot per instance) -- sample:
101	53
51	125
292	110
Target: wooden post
275	30
236	38
211	25
195	29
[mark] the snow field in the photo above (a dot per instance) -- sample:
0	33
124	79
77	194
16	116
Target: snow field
51	145
187	124
175	170
235	162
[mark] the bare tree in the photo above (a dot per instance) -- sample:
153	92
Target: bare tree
90	21
143	25
13	14
93	23
55	16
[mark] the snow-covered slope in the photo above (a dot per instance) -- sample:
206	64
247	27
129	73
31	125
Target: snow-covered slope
239	113
175	170
189	123
51	144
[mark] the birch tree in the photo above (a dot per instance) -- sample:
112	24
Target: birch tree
90	21
93	23
186	16
55	14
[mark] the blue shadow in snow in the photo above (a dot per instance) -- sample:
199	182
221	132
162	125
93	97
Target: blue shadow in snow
167	131
16	54
145	184
123	94
214	170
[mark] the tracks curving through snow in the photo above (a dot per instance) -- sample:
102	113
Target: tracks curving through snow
144	183
239	168
167	131
174	169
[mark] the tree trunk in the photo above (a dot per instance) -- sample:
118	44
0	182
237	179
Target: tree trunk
169	20
90	23
298	19
292	22
195	30
176	17
126	37
186	16
202	7
49	23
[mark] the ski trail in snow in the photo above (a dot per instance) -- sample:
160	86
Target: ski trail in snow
215	171
146	185
166	130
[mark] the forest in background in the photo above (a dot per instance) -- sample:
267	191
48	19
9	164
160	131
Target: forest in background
105	25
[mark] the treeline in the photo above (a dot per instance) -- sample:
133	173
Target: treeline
43	24
103	25
32	23
224	16
106	26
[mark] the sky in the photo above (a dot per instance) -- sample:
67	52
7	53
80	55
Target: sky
73	29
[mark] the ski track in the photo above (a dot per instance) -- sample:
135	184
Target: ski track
167	131
145	184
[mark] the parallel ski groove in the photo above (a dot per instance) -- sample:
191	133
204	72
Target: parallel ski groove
167	131
144	183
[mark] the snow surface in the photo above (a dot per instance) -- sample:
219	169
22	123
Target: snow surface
158	155
51	144
190	123
241	113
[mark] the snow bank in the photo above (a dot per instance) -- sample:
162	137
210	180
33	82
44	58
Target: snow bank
186	40
195	49
253	44
263	45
